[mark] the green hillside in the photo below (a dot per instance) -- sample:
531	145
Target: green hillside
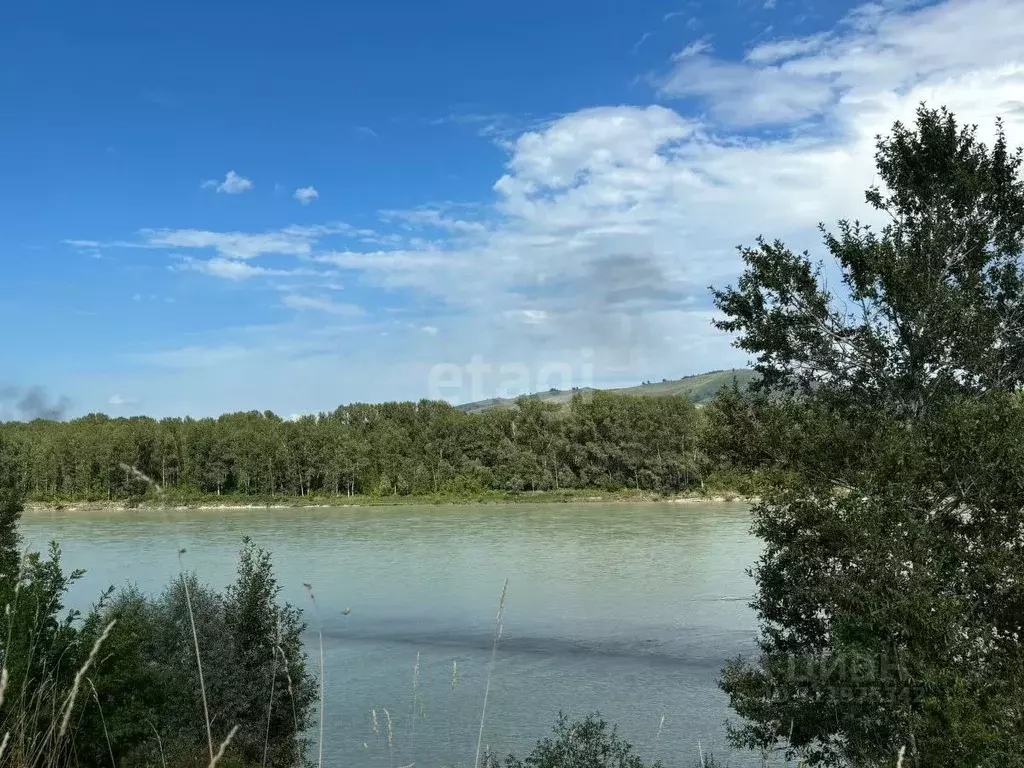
699	388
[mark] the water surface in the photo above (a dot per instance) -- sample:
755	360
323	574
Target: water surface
626	609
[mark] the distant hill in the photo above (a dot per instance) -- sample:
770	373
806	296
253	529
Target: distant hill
700	388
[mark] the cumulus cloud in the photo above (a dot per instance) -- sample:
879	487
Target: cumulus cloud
233	184
306	195
608	224
878	50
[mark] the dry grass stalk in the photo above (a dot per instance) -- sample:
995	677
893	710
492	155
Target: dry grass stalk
273	681
391	737
70	704
415	695
320	634
199	660
159	743
291	696
498	625
103	722
214	759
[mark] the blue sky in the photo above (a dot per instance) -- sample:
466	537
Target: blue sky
223	206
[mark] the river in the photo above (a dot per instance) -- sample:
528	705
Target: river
626	609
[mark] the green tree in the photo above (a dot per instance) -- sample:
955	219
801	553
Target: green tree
891	590
274	693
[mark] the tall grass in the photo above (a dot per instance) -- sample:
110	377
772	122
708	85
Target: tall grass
199	658
498	626
320	634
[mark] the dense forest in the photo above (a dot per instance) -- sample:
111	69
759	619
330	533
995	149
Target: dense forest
599	440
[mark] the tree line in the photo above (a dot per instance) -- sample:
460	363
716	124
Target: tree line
599	440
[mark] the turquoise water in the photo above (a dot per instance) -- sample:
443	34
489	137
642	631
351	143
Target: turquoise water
626	609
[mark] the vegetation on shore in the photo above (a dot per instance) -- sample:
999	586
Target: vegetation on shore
174	679
601	444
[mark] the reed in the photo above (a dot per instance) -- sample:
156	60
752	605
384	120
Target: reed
498	626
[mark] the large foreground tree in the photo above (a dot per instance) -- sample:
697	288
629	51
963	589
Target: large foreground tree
891	590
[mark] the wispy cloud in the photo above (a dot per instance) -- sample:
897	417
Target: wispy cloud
289	241
696	48
233	184
230	269
119	400
366	130
436	217
306	195
321	304
498	126
643	39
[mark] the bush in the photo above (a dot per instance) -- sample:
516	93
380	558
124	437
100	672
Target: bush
125	679
583	744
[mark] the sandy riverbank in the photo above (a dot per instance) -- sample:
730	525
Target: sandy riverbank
341	502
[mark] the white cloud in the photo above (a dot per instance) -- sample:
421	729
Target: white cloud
878	49
230	269
608	224
696	48
779	50
430	330
233	184
120	400
643	39
437	217
321	304
306	195
290	241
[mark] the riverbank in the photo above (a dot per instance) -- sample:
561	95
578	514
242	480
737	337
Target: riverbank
213	502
